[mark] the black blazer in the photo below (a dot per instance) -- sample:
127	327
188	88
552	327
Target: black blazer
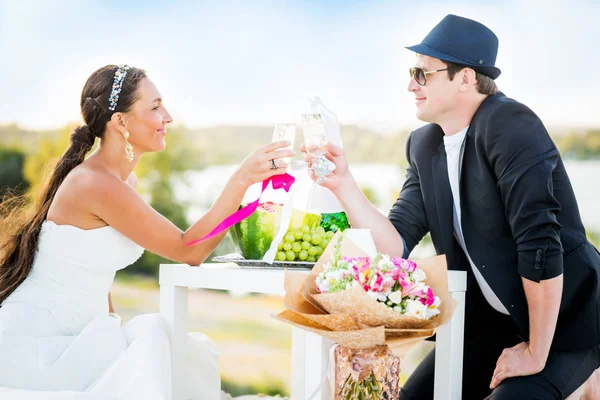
519	217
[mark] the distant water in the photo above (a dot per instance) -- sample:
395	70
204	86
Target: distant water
201	188
585	178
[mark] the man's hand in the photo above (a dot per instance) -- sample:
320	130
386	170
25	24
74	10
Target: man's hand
591	389
516	361
337	156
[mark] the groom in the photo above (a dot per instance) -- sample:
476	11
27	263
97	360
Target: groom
487	182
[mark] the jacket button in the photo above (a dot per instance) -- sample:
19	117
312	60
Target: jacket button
539	252
537	265
538	258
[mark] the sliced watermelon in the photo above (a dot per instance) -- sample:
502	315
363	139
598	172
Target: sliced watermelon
253	236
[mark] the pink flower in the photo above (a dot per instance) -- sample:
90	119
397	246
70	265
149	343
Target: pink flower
408	288
416	289
408	265
399	274
430	297
377	282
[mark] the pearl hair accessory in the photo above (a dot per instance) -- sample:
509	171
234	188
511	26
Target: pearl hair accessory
120	75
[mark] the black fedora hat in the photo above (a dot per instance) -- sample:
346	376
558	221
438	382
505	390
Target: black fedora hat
462	41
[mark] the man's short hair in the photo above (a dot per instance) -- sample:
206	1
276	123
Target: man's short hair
485	84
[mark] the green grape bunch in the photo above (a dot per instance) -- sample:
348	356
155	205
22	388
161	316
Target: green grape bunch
305	244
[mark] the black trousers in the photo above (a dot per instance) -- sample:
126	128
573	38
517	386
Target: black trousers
563	374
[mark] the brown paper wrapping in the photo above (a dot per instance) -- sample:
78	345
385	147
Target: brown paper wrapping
352	318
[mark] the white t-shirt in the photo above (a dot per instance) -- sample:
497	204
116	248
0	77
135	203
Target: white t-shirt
454	148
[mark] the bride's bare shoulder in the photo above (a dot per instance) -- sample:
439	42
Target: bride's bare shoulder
87	183
91	178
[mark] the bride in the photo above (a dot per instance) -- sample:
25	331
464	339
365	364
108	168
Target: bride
58	260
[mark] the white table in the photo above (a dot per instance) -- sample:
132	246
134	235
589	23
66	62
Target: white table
310	352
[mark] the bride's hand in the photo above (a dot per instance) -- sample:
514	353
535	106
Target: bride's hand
336	155
258	166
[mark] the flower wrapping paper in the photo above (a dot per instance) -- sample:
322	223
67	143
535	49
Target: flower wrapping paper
352	318
357	322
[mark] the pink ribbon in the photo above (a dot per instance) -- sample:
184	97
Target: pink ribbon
284	182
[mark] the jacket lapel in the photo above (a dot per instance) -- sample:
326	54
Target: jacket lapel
443	199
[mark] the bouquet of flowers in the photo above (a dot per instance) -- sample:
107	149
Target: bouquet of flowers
375	308
393	281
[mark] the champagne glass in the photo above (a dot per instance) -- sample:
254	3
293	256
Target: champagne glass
315	140
285	132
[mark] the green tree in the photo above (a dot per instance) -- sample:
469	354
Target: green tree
12	176
580	145
40	163
594	238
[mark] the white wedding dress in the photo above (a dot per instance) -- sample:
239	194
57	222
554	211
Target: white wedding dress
58	342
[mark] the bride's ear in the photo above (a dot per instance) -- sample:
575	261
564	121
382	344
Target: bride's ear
119	121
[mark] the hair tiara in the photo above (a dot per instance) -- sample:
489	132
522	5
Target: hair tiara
120	75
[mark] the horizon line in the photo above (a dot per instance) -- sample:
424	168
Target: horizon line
386	131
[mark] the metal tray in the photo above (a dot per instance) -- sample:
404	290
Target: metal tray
242	262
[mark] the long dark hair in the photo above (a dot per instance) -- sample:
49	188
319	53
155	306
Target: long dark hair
21	224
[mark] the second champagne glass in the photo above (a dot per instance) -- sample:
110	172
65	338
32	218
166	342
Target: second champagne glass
285	132
315	140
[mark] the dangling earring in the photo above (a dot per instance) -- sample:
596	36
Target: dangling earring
128	147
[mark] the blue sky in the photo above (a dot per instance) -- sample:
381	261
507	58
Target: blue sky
257	62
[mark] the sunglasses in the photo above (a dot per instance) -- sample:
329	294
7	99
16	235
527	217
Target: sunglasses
420	75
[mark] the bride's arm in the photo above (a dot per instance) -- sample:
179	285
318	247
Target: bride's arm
121	207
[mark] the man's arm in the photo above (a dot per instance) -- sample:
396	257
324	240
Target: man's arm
524	359
523	158
408	212
395	235
543	300
362	214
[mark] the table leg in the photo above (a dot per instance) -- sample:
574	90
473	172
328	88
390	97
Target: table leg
174	312
449	354
317	365
298	363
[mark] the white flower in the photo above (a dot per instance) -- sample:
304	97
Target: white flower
385	262
431	312
436	302
388	280
395	297
420	286
323	286
415	308
418	275
327	278
373	295
335	275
